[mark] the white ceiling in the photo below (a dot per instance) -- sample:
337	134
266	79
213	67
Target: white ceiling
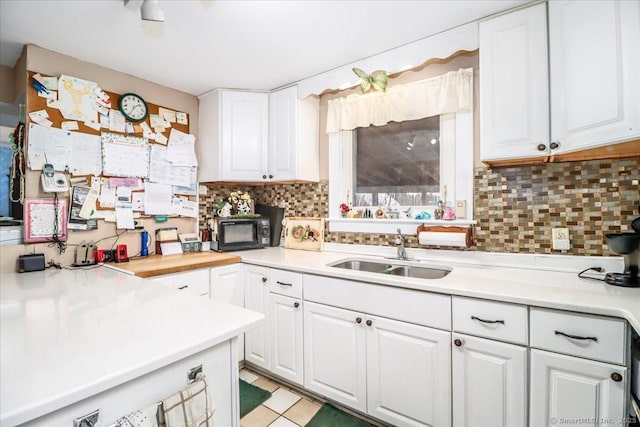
205	44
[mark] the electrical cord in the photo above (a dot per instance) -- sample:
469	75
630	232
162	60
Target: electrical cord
55	238
598	269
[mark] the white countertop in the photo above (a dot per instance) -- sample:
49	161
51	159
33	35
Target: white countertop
532	286
67	335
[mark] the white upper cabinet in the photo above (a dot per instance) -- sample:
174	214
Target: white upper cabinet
590	88
514	101
293	136
233	136
258	137
595	69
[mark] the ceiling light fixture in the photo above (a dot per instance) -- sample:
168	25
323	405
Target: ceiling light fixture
149	10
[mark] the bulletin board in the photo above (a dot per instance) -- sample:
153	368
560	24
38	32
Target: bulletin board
87	138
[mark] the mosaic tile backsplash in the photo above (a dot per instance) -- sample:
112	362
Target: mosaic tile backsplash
515	207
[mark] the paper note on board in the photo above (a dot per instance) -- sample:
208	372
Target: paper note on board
124	216
52	95
166	114
181	149
50	83
125	155
72	125
184	207
116	121
107	197
77	98
137	201
182	118
157	199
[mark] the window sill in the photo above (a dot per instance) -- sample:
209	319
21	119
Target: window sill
389	226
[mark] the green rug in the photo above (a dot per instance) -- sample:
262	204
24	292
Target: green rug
251	397
329	416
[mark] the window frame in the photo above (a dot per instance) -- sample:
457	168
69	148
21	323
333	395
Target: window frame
456	166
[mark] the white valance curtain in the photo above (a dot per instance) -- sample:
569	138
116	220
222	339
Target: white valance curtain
448	93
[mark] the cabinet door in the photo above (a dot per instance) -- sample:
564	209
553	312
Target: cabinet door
226	286
408	373
594	69
244	135
334	354
256	298
489	383
514	100
570	388
285	339
283	120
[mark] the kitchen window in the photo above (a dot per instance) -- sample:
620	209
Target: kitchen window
404	166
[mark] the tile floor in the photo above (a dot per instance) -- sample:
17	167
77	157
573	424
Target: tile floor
285	407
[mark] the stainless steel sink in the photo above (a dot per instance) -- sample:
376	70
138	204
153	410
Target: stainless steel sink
394	269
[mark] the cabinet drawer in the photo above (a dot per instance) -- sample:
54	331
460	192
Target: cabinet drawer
490	319
196	281
588	336
285	283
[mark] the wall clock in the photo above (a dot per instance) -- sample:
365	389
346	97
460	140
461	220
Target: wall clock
133	107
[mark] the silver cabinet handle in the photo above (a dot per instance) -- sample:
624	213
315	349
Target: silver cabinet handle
576	337
487	321
283	283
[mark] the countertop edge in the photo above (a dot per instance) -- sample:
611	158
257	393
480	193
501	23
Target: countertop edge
36	410
376	279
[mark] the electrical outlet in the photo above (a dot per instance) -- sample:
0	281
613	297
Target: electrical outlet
560	238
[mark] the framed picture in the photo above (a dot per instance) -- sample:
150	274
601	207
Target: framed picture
44	218
304	233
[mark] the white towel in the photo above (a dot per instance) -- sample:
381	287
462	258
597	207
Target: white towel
141	418
190	407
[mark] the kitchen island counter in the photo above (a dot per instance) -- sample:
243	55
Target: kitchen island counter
67	335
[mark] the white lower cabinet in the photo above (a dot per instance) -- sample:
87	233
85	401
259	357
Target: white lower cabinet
256	298
195	281
408	373
285	323
334	354
566	388
489	383
227	287
395	371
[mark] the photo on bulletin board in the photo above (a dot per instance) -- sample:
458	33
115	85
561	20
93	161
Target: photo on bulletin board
40	222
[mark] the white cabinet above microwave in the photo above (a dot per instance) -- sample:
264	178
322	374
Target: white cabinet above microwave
258	137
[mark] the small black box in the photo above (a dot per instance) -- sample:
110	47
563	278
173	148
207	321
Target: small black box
31	262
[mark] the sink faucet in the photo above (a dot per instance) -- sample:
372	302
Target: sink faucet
402	253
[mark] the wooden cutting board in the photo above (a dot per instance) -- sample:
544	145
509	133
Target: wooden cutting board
304	233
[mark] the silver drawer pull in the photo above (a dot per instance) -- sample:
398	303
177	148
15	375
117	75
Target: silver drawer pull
487	321
283	283
576	337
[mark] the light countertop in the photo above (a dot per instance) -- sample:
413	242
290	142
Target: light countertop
536	287
67	335
156	265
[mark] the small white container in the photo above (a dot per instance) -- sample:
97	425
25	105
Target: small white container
206	246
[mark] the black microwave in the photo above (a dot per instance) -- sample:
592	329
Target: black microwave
233	234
